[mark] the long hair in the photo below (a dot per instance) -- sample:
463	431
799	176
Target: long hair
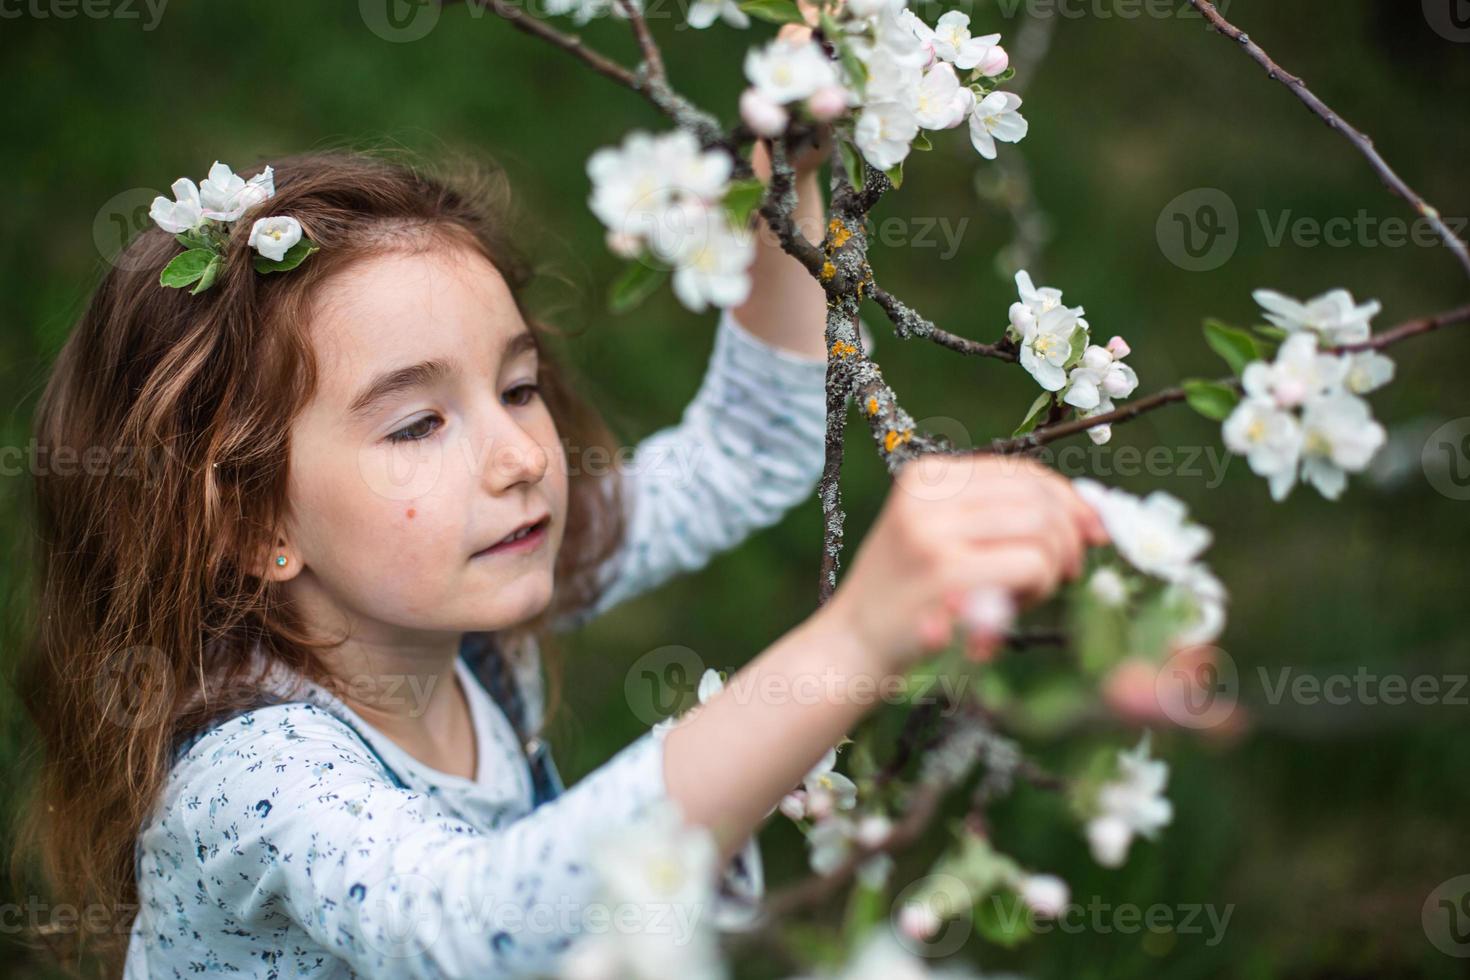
147	594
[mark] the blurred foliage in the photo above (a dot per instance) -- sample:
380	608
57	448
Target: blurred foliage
1324	827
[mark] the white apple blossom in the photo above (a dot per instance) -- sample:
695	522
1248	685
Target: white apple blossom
702	13
1099	434
787	70
1131	805
1333	316
1298	373
1046	344
664	871
1269	438
1340	436
1207	597
1034	301
764	115
882	957
635	183
830	101
273	237
941	102
713	266
831	842
953	43
1045	895
1152	533
183	213
1098	375
824	790
885	133
865	9
226	196
1108	587
996	117
1368	371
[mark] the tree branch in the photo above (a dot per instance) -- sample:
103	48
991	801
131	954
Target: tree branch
1364	143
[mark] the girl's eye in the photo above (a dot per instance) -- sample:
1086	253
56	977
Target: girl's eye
416	430
522	394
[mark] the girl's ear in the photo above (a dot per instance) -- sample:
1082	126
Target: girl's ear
281	565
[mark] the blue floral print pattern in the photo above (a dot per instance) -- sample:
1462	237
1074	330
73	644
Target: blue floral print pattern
294	840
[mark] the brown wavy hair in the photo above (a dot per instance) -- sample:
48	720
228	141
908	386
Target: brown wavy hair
147	596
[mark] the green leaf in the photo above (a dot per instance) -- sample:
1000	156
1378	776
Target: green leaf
857	72
294	256
1271	331
186	268
1034	414
921	142
1211	399
1003	918
895	175
1079	347
852	163
865	908
743	197
1236	346
1098	631
211	273
636	284
775	11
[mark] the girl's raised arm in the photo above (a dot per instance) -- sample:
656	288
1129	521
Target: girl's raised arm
750	444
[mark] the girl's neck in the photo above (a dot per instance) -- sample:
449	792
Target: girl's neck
412	694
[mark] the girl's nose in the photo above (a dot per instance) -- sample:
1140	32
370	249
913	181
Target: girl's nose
516	456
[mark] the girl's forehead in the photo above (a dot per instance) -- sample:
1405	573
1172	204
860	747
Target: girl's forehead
400	308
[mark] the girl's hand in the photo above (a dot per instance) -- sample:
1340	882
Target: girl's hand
952	524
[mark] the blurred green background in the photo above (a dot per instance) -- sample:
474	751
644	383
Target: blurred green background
1324	827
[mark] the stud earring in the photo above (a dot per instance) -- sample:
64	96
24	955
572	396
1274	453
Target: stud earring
280	561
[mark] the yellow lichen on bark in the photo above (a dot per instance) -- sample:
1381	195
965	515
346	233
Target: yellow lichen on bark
842	348
893	439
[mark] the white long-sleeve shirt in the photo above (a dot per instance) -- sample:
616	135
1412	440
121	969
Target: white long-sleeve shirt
295	840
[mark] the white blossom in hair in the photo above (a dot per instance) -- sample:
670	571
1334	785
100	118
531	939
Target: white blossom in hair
199	216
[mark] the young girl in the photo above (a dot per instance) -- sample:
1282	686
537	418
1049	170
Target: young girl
287	672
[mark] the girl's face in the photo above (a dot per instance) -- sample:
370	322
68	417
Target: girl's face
425	444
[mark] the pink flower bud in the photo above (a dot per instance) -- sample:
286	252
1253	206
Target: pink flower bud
827	102
1290	392
1046	895
623	245
988	611
1119	348
763	115
995	61
1130	690
918	920
793	805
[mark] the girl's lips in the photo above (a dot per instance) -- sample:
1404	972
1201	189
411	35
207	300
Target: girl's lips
529	542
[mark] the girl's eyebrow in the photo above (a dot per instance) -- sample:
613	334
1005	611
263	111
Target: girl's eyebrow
424	374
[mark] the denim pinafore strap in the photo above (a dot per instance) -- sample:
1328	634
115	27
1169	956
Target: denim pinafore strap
482	654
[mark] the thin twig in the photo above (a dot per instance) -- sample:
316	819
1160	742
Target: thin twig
1364	143
651	56
1168	396
908	323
